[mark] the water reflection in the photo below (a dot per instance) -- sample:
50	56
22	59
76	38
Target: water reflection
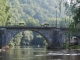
31	53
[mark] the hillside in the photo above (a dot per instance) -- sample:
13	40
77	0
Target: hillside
37	11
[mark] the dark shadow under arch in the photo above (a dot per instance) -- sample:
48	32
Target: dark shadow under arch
32	31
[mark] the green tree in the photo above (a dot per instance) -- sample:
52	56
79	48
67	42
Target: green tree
4	15
76	13
74	10
31	22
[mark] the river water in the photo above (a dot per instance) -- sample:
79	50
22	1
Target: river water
35	53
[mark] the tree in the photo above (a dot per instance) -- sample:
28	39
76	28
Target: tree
74	10
76	13
31	22
4	15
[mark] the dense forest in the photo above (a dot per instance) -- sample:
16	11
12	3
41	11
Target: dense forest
35	13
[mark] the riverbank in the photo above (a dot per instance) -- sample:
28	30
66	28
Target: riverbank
5	48
2	50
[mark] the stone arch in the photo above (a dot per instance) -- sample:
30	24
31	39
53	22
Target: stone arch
11	33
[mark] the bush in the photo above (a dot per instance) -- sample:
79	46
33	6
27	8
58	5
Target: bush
75	47
65	45
11	45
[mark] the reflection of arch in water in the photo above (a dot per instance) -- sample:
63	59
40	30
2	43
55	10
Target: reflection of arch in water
12	33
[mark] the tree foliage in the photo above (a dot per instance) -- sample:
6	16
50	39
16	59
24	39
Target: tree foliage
74	10
37	11
4	15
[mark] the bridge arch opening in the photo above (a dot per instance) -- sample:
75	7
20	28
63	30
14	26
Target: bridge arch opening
28	38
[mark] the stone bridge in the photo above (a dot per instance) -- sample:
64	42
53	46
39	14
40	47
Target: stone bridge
53	36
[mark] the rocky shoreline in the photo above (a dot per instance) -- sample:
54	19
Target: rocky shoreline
4	49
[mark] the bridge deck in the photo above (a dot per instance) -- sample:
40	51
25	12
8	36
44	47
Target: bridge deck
24	27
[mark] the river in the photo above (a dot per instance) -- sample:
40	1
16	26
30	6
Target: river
35	53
